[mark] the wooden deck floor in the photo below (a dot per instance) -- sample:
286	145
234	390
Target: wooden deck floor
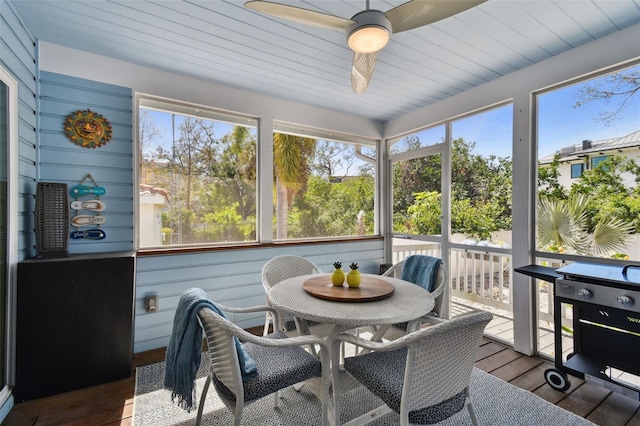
112	403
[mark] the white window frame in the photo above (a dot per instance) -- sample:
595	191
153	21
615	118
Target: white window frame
12	230
199	111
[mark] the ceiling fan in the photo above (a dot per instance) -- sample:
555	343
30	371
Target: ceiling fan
368	31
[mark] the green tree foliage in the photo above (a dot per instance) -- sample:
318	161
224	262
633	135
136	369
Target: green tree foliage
331	208
596	216
610	197
291	170
486	184
234	175
211	181
412	176
477	221
426	213
563	225
481	192
549	186
227	224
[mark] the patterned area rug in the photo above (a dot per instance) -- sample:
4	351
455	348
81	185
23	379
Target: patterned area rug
496	403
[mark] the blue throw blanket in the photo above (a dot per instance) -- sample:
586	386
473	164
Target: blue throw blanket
421	270
185	348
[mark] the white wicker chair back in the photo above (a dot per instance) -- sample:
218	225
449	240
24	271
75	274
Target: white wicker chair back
440	360
286	266
438	290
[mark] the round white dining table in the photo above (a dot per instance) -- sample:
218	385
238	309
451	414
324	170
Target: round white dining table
407	302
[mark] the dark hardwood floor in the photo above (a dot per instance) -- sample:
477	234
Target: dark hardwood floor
112	403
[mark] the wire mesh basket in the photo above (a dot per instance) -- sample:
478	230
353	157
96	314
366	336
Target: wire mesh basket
52	219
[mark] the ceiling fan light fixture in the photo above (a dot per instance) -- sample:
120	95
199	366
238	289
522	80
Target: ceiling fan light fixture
369	33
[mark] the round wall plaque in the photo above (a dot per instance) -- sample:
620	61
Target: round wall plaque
87	129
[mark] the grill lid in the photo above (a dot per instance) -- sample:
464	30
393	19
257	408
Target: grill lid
629	274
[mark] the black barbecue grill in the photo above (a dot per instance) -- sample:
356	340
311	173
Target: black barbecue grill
606	323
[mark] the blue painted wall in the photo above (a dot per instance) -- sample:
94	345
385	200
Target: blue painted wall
231	277
111	165
18	57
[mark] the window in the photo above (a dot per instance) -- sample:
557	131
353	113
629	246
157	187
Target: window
594	116
597	160
8	221
197	176
576	170
324	185
458	213
591	213
480	149
481	177
417	185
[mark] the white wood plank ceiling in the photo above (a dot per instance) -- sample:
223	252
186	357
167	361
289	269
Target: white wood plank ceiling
224	42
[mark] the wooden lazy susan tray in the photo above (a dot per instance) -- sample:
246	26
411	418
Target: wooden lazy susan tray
370	289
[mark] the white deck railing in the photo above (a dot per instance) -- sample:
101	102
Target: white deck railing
480	275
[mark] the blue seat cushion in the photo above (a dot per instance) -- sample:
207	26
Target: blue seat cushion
278	368
288	322
383	374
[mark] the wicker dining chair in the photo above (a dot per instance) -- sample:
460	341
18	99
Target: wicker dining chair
438	288
399	330
278	269
281	362
424	376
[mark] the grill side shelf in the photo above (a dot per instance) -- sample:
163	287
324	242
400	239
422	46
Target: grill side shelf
545	273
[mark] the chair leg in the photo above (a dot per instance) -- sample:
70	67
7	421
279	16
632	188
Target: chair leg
276	399
236	421
267	320
335	383
203	396
237	413
468	403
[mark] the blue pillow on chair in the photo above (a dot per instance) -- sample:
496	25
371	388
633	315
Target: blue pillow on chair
421	269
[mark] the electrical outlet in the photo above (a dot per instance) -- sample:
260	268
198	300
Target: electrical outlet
151	303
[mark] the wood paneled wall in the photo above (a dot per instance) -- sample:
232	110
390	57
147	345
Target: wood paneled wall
110	165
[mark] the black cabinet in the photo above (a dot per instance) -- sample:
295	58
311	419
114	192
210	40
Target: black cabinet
74	325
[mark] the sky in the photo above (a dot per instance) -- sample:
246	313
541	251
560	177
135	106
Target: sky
563	125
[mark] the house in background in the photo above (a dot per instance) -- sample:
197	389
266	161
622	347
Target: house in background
153	201
44	80
575	159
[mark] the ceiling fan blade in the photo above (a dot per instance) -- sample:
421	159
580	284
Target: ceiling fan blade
302	16
361	70
417	13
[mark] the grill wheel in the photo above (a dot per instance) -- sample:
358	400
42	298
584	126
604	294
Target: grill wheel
557	379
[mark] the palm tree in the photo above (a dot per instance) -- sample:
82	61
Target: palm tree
564	224
291	171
